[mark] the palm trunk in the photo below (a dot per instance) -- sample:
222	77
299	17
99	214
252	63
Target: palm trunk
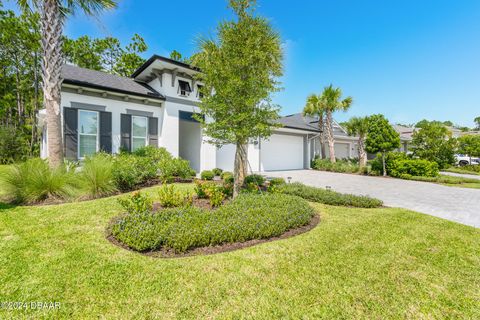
240	167
331	141
52	25
321	127
362	155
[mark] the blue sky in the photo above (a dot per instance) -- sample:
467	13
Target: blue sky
406	59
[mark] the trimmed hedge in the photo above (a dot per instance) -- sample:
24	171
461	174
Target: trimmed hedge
398	164
440	179
343	166
328	196
249	216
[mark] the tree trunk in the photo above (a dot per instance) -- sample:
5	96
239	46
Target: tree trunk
383	162
240	167
362	155
321	127
331	139
52	25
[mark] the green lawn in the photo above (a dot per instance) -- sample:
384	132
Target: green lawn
461	171
451	181
357	263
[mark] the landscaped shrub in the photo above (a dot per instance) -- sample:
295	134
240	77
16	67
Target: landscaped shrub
276	181
137	203
207	175
255	179
398	163
226	174
250	216
156	154
328	196
201	188
96	176
344	166
169	196
217	171
34	181
413	167
468	169
177	167
130	171
216	194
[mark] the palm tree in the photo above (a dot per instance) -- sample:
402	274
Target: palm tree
314	108
358	126
52	18
331	102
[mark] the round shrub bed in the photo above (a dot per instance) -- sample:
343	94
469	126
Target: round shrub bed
179	230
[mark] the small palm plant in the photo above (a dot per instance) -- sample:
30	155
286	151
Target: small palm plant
358	126
315	108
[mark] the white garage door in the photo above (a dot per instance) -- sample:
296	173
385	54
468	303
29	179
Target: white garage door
341	150
282	152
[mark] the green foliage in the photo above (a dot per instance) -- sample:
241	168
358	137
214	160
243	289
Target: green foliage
242	65
345	166
105	54
201	188
216	194
207	175
277	181
390	157
433	142
181	229
217	172
381	136
137	203
156	154
227	176
477	122
34	181
413	167
12	145
130	171
328	196
469	145
443	179
96	176
255	179
468	169
169	196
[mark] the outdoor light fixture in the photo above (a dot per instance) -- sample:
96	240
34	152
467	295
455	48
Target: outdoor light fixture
289	178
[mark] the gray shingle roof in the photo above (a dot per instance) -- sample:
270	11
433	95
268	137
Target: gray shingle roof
298	121
101	80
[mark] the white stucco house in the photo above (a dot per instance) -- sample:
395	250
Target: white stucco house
154	106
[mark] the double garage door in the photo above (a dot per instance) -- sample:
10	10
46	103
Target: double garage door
282	152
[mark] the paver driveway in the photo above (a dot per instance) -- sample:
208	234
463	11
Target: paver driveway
452	203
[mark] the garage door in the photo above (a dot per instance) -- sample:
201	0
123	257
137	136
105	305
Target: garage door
282	152
341	150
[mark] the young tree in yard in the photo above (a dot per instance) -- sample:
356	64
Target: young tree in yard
240	68
381	137
331	101
477	122
469	145
358	126
433	142
52	18
314	108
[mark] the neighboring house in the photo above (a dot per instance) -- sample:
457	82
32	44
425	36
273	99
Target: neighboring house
345	146
406	134
101	111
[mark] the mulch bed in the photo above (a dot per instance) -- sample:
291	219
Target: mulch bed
168	254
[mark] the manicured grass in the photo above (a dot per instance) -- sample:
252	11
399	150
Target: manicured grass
461	171
451	181
357	263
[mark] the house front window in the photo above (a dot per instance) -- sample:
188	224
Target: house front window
139	132
199	91
184	88
87	133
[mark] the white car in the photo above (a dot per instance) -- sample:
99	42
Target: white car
463	160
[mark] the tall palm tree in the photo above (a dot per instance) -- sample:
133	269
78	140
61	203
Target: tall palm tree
314	108
331	100
358	126
52	17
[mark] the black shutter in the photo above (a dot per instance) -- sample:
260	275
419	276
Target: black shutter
153	131
106	131
70	133
126	132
